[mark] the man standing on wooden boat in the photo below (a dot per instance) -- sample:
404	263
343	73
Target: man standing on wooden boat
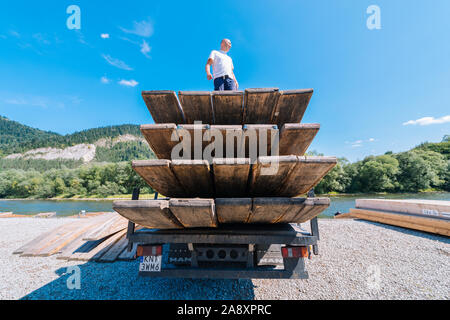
223	75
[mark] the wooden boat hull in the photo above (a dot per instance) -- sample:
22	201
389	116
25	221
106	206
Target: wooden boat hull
285	176
252	106
209	213
236	140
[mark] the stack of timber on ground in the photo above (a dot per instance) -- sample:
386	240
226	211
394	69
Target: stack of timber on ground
425	215
242	180
101	238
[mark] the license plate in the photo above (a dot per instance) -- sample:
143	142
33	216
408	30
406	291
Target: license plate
150	264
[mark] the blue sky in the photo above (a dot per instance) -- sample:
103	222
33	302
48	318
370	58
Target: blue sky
368	83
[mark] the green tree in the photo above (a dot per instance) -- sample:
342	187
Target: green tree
421	170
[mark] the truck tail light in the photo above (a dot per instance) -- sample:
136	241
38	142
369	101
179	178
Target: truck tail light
148	251
294	252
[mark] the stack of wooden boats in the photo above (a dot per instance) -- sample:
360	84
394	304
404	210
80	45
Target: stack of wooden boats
228	157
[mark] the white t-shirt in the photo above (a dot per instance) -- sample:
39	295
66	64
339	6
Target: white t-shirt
223	65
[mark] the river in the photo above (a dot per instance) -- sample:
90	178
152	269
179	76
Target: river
72	207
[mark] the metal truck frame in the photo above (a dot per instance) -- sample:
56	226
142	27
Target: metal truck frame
228	252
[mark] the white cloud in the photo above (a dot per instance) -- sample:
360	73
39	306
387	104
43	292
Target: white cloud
145	49
104	36
14	33
129	40
74	99
81	38
360	143
428	120
33	101
116	62
42	39
105	80
128	83
142	29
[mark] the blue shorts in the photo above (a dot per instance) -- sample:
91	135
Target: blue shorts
222	84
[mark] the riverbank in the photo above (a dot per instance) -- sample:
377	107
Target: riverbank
151	196
357	260
68	207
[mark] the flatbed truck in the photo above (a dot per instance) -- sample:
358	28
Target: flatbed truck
243	251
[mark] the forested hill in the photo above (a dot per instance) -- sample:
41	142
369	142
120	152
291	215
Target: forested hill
18	138
440	147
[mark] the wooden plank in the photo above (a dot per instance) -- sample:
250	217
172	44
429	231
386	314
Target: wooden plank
438	226
45	215
192	134
35	241
194	213
426	221
93	214
159	176
233	210
105	246
100	226
116	224
306	175
431	208
163	106
260	105
229	141
317	206
5	214
115	250
296	138
231	177
196	106
291	106
267	182
346	215
301	205
262	145
58	245
159	138
195	177
153	214
80	242
97	248
271	210
16	216
228	107
128	255
58	233
71	248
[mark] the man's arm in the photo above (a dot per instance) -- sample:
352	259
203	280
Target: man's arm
234	77
208	68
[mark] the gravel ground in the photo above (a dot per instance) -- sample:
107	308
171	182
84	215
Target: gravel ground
358	260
